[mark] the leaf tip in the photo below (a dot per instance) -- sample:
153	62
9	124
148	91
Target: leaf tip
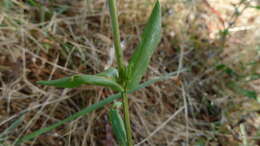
41	82
157	4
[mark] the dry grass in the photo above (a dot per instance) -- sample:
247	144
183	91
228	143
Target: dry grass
62	37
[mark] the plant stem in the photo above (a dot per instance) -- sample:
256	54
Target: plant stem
116	34
119	59
127	119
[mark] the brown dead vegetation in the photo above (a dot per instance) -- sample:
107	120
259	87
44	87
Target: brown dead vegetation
57	38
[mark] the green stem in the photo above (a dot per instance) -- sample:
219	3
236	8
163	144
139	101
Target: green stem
127	119
116	34
119	59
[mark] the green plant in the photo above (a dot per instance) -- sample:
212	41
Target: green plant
117	124
124	79
240	80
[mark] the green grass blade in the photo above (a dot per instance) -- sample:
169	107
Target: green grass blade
67	82
32	3
248	93
70	118
256	7
118	127
149	40
105	79
93	107
11	127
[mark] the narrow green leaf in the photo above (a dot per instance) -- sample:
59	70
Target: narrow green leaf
106	79
226	69
14	124
224	32
254	76
118	126
248	93
32	2
149	41
11	127
256	7
93	107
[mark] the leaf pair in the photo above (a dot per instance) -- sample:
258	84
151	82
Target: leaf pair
135	70
95	106
107	79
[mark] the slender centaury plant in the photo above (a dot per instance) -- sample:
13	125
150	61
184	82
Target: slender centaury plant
124	79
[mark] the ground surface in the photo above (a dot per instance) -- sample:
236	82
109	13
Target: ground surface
215	101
